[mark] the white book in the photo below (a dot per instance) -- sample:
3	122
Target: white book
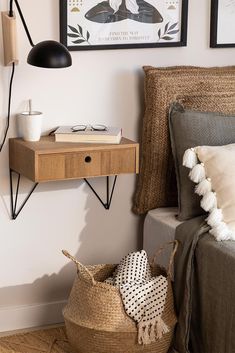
66	134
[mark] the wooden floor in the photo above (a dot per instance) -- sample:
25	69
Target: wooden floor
10	333
47	339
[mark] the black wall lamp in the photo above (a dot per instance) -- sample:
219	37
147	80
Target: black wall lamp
47	54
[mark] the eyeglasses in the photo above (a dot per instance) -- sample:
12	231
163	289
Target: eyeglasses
89	127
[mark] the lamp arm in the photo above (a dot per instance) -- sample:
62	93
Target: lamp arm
11	9
22	19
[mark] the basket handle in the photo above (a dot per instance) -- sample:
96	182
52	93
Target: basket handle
159	251
80	266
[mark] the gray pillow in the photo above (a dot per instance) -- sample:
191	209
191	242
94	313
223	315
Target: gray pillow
191	129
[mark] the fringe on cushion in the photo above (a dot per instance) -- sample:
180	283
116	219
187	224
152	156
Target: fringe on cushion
203	187
190	158
198	173
149	332
215	217
219	230
209	201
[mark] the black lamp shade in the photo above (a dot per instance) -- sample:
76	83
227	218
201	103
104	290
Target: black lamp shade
49	54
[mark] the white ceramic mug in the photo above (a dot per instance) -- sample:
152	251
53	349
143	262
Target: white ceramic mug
30	125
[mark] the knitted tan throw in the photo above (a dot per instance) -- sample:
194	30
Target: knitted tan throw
203	89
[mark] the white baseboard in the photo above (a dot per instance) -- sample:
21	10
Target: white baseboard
27	316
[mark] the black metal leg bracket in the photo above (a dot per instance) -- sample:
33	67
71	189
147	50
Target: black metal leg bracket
14	200
109	195
14	211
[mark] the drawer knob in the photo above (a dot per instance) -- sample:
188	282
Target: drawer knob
87	159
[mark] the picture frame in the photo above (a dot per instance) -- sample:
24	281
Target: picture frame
94	25
222	31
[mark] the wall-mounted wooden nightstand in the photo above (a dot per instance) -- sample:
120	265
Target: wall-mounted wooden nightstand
48	160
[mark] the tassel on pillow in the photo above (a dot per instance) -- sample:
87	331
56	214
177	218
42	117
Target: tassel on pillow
203	187
190	158
215	217
221	232
198	173
209	201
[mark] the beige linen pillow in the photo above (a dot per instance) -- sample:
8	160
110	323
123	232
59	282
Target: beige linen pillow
215	178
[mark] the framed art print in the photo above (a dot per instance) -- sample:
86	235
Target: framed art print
120	24
222	23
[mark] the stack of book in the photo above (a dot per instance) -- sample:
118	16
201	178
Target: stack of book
67	134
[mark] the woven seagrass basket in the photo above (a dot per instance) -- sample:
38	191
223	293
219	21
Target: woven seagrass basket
96	321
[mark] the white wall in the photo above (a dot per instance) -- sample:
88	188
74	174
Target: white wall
104	86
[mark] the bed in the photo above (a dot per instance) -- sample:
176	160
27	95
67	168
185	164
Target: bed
204	286
159	227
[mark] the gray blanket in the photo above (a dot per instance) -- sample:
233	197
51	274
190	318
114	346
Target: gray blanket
204	291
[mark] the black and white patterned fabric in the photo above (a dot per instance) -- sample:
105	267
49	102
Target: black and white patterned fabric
142	294
133	268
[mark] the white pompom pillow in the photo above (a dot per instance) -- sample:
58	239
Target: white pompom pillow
213	169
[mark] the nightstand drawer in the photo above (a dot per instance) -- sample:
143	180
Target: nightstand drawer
86	164
47	160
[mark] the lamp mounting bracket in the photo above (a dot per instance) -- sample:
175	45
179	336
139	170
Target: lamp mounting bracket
9	34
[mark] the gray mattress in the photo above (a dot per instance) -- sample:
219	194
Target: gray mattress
159	228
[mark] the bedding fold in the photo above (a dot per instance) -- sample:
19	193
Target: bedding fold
204	290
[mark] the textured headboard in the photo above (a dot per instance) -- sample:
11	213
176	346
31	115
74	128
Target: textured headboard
204	89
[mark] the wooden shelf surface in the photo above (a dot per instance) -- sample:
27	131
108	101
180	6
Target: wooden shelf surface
48	145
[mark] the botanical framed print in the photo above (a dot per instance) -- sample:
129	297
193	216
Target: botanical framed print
120	24
222	23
